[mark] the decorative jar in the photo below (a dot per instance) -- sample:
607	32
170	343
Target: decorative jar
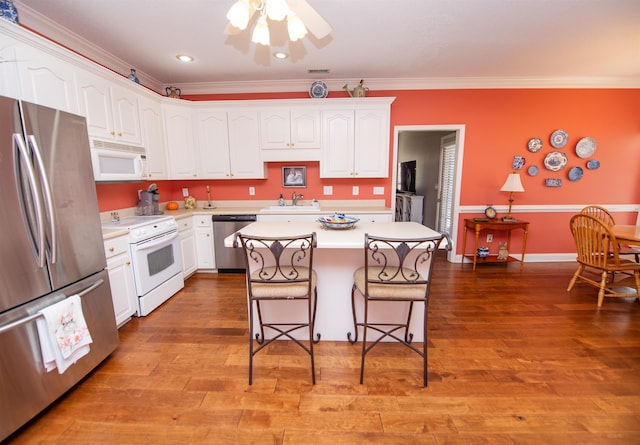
8	11
483	252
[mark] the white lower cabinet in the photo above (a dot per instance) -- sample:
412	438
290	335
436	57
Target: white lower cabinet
204	242
123	291
187	238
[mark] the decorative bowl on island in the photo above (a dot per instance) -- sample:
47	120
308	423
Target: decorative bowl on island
338	221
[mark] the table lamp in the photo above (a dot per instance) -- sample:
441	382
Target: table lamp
511	185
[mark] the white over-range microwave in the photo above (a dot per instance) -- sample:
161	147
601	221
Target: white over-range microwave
113	161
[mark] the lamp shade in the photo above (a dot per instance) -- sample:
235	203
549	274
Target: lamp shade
512	184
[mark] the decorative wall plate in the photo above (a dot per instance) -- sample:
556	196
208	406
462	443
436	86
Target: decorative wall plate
534	145
553	182
318	90
575	174
586	147
593	164
532	170
555	161
559	138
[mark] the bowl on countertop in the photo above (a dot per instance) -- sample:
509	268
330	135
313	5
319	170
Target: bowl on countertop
338	221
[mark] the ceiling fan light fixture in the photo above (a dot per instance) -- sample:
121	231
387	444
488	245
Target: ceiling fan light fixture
276	9
296	28
261	31
239	14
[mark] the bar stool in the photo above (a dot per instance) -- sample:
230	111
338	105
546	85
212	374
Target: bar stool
395	270
279	269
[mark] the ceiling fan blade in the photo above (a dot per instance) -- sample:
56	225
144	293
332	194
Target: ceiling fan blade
311	19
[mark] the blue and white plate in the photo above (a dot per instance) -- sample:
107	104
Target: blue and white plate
593	164
534	145
559	138
586	147
318	90
532	170
575	174
555	161
553	182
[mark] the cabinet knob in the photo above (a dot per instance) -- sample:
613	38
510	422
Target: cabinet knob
119	134
207	235
111	249
128	263
113	133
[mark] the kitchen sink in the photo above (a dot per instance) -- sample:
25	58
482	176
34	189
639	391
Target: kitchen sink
298	208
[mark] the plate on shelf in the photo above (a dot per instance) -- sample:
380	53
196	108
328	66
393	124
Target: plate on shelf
318	90
586	147
534	145
338	221
555	161
575	174
559	138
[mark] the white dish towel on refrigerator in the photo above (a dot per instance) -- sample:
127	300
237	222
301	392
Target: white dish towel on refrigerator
64	335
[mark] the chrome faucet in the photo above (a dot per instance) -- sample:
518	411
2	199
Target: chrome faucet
295	197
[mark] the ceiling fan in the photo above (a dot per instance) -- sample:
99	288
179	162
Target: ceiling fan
299	14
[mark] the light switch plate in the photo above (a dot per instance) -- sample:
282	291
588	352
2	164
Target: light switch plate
252	191
378	190
355	190
185	192
328	190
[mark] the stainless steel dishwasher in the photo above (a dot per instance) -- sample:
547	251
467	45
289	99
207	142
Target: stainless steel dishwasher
229	259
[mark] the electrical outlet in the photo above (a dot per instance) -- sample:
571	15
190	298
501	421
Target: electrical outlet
328	190
185	192
356	190
378	190
490	238
252	191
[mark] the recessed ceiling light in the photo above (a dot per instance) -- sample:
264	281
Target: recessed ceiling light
280	55
184	58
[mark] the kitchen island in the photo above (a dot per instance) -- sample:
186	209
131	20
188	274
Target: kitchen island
338	254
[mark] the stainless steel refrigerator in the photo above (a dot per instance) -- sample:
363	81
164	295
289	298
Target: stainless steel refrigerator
50	248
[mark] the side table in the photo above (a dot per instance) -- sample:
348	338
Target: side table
478	226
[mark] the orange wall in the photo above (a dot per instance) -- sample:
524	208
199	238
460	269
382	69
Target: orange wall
498	125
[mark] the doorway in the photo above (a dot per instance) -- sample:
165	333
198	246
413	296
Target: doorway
438	150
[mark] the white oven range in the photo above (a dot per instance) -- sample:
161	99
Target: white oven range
155	257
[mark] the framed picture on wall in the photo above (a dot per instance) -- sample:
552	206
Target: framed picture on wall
294	176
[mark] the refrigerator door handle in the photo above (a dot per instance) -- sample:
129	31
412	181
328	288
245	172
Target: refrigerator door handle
25	320
31	176
48	197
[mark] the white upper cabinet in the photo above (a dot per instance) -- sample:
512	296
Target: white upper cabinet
213	145
153	138
181	148
244	145
289	128
355	141
46	79
9	85
111	110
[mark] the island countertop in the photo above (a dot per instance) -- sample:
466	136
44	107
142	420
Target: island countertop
337	239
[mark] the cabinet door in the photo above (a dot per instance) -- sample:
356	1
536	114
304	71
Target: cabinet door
305	129
275	129
337	144
188	247
180	142
123	290
371	150
9	84
244	145
204	248
126	114
46	80
213	145
153	138
95	105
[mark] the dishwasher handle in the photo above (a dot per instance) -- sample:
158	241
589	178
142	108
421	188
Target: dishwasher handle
227	218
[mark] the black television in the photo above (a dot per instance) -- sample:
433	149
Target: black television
408	177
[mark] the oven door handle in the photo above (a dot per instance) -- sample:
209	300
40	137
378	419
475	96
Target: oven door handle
164	239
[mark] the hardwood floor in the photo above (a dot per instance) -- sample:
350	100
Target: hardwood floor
513	358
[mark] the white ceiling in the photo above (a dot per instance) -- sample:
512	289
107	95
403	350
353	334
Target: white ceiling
394	44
